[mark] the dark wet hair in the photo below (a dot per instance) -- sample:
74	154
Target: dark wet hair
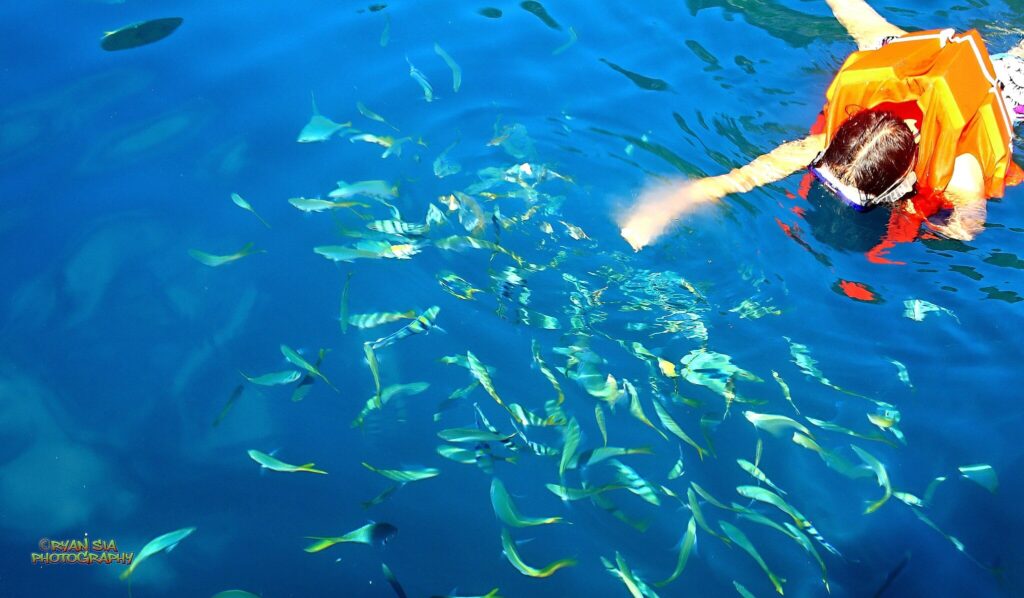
871	151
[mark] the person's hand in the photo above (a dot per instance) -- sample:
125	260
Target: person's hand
661	204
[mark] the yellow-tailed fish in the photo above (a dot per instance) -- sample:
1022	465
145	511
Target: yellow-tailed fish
803	360
472	435
636	409
601	425
272	463
671	425
606	504
689	539
343	305
508	443
713	370
455	285
305	385
391	145
785	390
637	587
373	534
370	114
880	473
635	483
398	228
952	539
374	319
596	455
506	510
213	261
383	496
677	470
458	243
769	497
711	499
529	418
742	590
831	427
776	425
479	373
418	77
833	460
981	474
457	453
297	360
743	542
758	475
909	499
339	253
456	71
393	581
238	201
605	388
307	204
405	476
513	557
571	441
886	417
698	515
556	414
546	371
394	390
371	361
274	378
570	494
164	542
796	535
424	322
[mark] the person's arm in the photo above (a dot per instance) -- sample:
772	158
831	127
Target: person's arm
966	191
866	26
659	206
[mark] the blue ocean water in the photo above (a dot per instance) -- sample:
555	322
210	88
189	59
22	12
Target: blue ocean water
119	350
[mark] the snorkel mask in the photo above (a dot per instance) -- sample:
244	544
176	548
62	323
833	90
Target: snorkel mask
857	199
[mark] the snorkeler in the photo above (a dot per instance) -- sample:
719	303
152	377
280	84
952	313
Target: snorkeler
919	122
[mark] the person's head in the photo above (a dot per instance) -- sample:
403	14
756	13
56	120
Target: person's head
873	152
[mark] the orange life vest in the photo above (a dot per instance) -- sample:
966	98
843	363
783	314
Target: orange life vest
950	78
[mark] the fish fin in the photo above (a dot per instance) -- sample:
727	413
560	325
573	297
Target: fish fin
321	543
309	467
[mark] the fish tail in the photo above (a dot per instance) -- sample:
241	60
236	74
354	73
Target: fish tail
309	467
321	543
